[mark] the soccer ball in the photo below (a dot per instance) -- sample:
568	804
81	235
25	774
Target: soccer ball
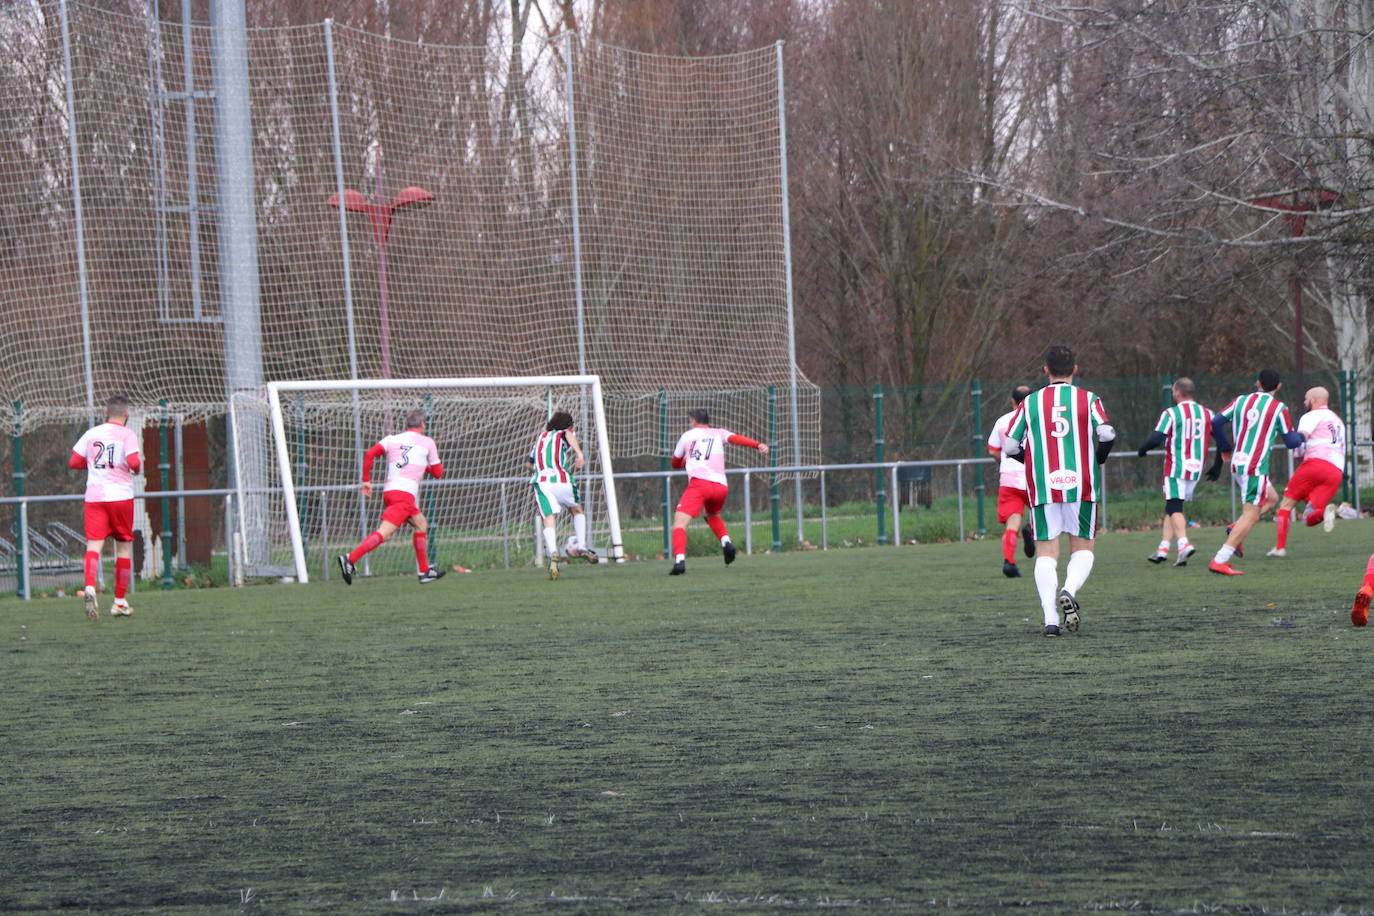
571	547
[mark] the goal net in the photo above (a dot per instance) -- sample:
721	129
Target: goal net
298	450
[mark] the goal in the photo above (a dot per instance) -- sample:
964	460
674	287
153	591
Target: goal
298	448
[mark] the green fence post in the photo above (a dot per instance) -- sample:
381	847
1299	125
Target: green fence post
665	464
1346	381
164	467
774	497
19	532
427	506
978	445
878	444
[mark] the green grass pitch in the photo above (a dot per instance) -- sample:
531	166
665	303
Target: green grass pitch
881	728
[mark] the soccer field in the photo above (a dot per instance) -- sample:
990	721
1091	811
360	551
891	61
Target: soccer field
883	728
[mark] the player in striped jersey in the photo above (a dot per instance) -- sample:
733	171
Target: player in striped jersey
1319	476
1183	430
555	455
1063	433
1246	429
410	456
701	451
1013	503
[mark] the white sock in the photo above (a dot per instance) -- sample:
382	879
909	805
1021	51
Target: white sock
1080	564
681	558
551	542
1163	547
580	530
725	540
1183	542
1224	554
1047	585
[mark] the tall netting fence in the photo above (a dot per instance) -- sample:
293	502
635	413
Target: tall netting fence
422	211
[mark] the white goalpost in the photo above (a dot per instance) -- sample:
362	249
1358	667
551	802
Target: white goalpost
297	488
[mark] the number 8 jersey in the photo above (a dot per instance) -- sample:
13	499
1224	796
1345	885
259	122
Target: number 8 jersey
1057	428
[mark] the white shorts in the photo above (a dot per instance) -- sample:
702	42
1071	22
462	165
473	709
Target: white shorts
1077	519
1177	488
553	497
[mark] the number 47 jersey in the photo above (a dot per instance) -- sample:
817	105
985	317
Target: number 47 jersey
1057	428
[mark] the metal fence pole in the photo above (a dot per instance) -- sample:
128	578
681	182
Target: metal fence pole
896	510
748	517
665	464
825	534
979	443
78	214
164	468
26	592
787	282
959	488
878	450
774	496
20	529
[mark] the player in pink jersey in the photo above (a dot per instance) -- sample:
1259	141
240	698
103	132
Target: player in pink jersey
110	455
1012	500
1359	613
701	450
409	457
1319	476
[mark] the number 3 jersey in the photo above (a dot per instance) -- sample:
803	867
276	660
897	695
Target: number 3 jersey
1186	427
1057	428
107	448
408	455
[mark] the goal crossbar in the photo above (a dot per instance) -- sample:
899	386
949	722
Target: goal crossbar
603	446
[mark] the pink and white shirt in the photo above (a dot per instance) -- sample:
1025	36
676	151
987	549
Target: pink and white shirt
107	448
408	456
1325	431
703	448
1011	473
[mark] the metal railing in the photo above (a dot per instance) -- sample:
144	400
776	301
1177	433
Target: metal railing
23	550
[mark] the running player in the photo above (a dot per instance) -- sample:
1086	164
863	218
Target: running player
1064	434
111	456
1319	476
1012	500
409	457
1256	420
556	453
1183	430
701	450
1359	613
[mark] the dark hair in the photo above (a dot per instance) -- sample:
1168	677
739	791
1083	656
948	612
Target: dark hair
1185	386
699	415
1060	361
116	406
1019	392
1268	379
415	419
560	420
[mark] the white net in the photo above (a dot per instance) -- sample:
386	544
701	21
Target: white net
669	273
481	513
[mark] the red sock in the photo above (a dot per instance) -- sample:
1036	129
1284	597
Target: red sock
420	540
717	526
1282	519
679	542
1313	516
1009	540
1369	572
92	567
369	544
124	569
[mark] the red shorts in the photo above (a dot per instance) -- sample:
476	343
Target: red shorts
398	507
1315	481
1011	501
110	520
703	494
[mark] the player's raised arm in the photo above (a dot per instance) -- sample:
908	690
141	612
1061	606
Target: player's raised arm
578	458
746	442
